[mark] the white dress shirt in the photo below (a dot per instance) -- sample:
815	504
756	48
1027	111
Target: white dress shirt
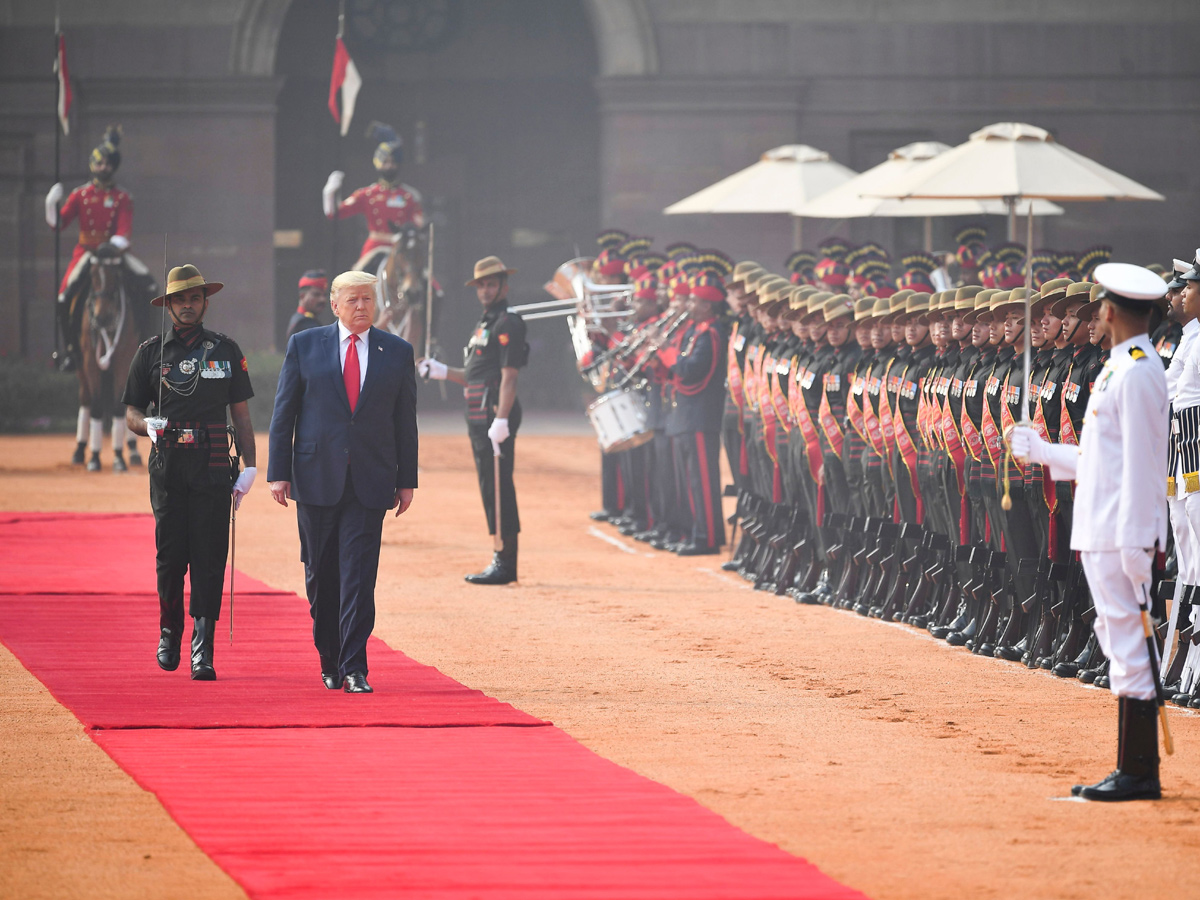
1187	344
1184	373
363	356
1121	474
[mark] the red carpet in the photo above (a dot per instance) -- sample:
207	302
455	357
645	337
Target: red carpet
254	768
58	553
447	813
96	655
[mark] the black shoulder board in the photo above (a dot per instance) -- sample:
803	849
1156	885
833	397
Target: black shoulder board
150	340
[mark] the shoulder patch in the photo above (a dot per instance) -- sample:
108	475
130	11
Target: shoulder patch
1137	352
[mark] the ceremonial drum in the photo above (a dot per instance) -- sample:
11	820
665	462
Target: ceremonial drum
619	418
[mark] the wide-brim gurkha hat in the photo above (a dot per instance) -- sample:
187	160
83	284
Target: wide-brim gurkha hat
838	306
815	304
488	266
864	308
1088	311
1016	301
185	278
1052	291
896	305
742	270
982	311
964	298
1076	292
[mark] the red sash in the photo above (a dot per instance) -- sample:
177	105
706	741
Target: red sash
778	397
854	411
1066	427
954	445
885	418
908	452
992	438
812	441
736	392
766	408
833	432
871	421
1049	494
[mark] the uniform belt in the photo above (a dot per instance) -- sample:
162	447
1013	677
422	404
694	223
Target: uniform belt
385	236
186	436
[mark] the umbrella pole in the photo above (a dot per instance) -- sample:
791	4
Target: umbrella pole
797	233
929	234
1011	203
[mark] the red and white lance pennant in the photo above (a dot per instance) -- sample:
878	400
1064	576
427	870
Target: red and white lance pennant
345	82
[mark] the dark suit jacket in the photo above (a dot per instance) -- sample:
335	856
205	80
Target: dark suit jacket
314	438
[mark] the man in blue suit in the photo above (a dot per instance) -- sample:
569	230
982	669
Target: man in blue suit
344	447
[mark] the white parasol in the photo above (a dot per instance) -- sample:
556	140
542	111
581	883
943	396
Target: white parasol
860	197
782	181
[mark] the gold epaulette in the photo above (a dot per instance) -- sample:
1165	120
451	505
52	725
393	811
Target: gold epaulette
1137	352
1171	486
1191	482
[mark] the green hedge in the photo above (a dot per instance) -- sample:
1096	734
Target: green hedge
34	398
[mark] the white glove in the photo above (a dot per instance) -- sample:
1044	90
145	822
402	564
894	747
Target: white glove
498	432
53	198
1027	445
242	486
333	184
121	243
431	368
155	426
1135	563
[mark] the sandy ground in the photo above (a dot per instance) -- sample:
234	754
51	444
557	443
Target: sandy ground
900	766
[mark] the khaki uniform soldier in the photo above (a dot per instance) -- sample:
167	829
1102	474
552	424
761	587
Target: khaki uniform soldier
190	380
493	359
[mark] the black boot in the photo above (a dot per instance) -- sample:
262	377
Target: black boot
168	649
202	649
503	569
1136	775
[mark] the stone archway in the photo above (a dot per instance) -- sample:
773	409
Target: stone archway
623	30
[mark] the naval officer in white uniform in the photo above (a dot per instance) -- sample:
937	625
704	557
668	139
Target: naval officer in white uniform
1120	470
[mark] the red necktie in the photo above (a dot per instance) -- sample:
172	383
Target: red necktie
350	372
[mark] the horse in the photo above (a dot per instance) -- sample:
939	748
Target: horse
402	290
107	345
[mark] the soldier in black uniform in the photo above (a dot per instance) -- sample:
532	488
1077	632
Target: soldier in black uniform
197	373
694	417
492	359
314	297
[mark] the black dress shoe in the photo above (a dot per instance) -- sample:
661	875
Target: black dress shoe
1118	786
168	650
356	683
690	549
497	573
333	682
600	515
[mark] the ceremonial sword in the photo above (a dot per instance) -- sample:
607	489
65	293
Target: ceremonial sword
1159	695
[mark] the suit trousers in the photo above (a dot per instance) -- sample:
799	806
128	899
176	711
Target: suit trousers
339	546
191	501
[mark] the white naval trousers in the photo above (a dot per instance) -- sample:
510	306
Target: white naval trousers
1187	557
1119	625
